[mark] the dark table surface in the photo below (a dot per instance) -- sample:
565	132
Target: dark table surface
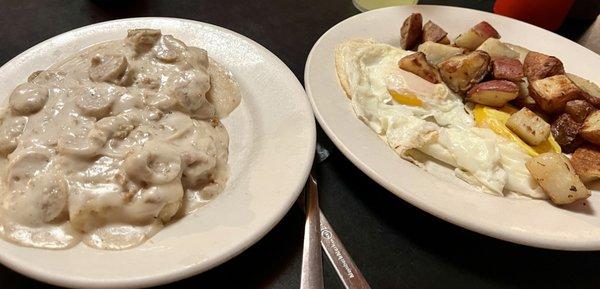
395	244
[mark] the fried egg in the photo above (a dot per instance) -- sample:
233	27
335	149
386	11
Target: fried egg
411	114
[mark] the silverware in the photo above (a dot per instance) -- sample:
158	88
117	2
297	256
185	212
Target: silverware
312	265
348	272
345	267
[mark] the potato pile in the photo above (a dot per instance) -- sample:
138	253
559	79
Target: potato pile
487	71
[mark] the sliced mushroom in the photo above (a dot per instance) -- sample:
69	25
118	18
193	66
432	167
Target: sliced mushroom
142	40
95	101
10	130
169	49
116	126
84	147
161	101
165	198
50	191
24	165
198	57
28	98
45	77
153	163
168	211
108	68
41	199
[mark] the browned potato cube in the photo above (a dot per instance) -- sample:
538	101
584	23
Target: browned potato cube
476	36
590	130
507	69
552	93
520	50
579	109
493	93
586	162
436	52
432	32
589	90
411	31
462	71
495	48
565	131
556	175
538	65
417	63
529	126
444	40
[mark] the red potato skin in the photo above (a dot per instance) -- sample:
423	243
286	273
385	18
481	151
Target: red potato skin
485	29
493	93
411	31
538	65
494	85
505	68
434	33
444	40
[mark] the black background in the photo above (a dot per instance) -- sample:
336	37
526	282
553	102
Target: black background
394	244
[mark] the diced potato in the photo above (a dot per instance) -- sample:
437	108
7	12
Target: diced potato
522	51
538	65
507	69
586	162
462	71
494	93
444	40
579	109
566	133
529	126
495	119
476	36
524	100
590	91
432	32
590	130
411	31
495	48
554	173
436	52
417	63
552	93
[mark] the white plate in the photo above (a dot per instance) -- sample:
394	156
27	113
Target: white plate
271	150
530	222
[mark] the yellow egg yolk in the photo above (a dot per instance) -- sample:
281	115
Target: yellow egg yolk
405	97
495	119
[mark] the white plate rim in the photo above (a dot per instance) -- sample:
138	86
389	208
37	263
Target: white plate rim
400	191
185	272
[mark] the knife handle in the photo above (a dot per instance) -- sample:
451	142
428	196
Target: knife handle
351	277
312	266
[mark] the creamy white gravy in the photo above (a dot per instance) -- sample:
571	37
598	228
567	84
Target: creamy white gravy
114	142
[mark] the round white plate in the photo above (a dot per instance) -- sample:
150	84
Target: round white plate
530	222
272	142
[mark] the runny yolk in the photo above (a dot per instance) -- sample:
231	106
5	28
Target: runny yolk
405	97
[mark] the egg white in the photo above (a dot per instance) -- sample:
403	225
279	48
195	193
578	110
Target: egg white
441	127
